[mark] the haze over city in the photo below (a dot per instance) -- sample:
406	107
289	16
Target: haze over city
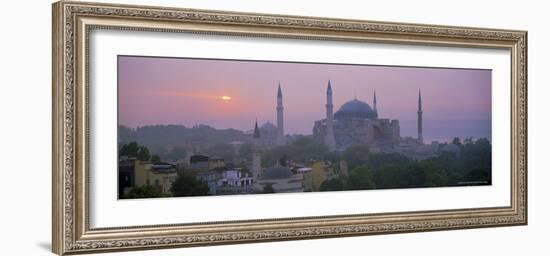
233	94
327	130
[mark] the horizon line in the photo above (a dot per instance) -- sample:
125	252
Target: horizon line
269	121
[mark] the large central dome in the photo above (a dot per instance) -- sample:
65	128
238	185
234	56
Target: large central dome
355	109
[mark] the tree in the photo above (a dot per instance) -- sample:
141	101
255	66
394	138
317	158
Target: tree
332	157
145	191
356	155
391	176
268	189
431	174
469	140
456	141
143	154
332	185
188	185
378	160
131	149
360	178
478	175
303	149
155	158
283	160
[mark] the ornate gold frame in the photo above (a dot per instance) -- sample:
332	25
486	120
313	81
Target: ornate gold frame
72	22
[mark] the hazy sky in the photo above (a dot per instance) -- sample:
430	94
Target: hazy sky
189	91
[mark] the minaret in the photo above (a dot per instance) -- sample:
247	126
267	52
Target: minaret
329	136
374	104
280	118
420	138
256	154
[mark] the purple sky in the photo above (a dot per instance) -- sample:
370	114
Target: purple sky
188	92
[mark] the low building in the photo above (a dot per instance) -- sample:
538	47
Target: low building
307	181
135	173
320	171
126	175
211	178
204	162
214	163
227	181
235	181
162	175
199	162
344	172
281	179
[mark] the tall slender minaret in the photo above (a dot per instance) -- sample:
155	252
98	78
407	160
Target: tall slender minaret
374	104
256	153
329	136
280	118
420	138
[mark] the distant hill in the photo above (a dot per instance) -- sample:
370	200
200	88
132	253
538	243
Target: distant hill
163	138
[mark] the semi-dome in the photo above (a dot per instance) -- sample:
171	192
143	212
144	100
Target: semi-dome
355	109
277	172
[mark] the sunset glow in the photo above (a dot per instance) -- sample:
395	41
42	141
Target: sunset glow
182	91
242	127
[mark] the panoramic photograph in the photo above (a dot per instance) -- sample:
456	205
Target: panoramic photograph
208	127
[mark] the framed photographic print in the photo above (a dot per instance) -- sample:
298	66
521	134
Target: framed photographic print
179	127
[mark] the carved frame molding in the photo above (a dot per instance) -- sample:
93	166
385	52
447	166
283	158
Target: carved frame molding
72	22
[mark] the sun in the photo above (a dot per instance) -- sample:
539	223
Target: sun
226	98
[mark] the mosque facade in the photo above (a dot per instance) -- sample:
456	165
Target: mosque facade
354	123
357	123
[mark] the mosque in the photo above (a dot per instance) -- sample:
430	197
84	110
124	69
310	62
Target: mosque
355	123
